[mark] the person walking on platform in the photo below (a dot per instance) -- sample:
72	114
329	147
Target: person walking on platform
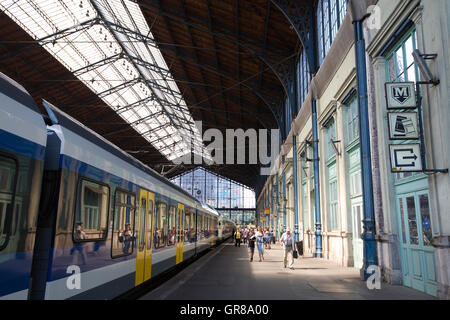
251	239
237	237
287	241
267	238
272	236
260	243
244	234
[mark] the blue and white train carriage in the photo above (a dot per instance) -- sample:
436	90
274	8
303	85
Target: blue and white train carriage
23	137
102	214
22	149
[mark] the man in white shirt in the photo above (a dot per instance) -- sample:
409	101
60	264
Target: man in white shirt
287	241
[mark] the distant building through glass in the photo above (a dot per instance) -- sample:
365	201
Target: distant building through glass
230	198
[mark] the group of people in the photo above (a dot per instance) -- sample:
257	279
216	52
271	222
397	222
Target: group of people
252	238
262	239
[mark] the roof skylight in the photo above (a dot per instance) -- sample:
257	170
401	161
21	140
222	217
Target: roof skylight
108	45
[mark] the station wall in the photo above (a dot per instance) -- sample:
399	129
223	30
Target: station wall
411	210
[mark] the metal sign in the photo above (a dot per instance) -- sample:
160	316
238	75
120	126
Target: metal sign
405	158
403	125
400	95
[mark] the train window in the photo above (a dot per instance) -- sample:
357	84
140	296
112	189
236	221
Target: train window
179	225
142	223
187	226
201	229
171	226
209	226
199	226
8	179
216	226
160	234
182	227
149	224
123	235
91	214
203	226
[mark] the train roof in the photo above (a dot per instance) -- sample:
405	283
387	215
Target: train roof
15	91
58	117
210	209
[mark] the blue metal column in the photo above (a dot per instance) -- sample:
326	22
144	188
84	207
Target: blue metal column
284	203
294	151
272	206
318	232
264	209
368	236
269	204
278	208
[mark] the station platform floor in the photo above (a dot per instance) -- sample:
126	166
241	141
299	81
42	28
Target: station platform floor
226	273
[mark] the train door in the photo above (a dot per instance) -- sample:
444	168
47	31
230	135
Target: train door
195	223
212	230
180	232
145	232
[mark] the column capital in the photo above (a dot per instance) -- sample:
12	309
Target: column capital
417	15
378	61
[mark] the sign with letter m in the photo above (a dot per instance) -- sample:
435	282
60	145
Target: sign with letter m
401	95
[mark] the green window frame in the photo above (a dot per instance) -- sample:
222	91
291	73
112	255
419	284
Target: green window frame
400	65
333	209
332	186
330	134
352	121
306	216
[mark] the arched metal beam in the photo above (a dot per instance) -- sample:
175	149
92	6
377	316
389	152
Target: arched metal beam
301	16
189	58
280	62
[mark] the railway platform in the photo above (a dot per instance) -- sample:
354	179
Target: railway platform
227	274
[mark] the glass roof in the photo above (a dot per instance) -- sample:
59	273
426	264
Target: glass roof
109	46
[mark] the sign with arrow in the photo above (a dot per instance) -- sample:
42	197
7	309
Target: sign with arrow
403	126
405	158
400	95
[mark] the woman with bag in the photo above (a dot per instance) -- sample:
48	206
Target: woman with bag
251	239
267	238
260	243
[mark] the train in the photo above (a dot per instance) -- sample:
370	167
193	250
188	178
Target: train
79	217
